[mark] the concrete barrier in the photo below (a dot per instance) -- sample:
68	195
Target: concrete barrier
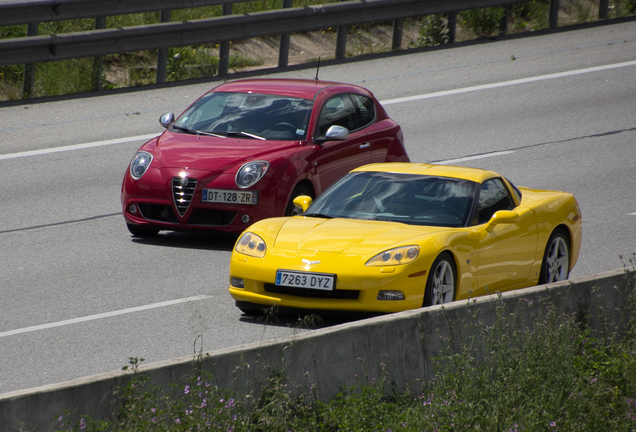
333	357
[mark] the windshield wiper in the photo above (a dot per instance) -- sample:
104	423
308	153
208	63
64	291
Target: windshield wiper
318	215
231	133
385	219
196	132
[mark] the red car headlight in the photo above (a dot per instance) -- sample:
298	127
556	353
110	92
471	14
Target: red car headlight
139	164
250	173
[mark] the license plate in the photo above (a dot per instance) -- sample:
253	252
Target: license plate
229	196
319	281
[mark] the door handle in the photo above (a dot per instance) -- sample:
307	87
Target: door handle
365	145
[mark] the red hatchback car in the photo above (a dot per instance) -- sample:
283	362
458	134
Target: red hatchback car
243	151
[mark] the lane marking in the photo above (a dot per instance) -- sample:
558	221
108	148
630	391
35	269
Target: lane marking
508	83
102	315
505	59
83	119
469	158
91	218
77	146
386	102
632	214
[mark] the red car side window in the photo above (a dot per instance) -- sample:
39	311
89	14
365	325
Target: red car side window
337	111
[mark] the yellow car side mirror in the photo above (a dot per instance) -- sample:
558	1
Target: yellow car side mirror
502	216
303	202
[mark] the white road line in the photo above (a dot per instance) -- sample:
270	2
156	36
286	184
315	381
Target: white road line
102	315
508	83
386	102
77	146
469	158
632	214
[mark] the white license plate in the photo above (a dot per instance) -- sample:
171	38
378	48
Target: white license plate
319	281
229	196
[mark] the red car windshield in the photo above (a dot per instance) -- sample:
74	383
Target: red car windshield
248	115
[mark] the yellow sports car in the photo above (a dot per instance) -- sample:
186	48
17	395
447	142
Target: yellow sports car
395	236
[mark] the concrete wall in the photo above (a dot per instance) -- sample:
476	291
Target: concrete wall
334	357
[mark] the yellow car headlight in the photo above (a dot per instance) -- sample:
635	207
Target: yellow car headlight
252	245
397	256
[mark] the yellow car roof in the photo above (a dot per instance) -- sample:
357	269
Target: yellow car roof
465	173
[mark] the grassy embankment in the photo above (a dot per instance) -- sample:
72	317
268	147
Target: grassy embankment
138	68
559	375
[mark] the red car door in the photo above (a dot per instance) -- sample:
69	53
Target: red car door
335	158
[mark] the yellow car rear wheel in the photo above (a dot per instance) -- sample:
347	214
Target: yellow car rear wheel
556	259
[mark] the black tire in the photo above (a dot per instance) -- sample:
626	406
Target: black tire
299	190
441	283
138	231
555	266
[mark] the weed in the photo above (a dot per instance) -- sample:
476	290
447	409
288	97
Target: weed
482	22
627	6
433	31
530	16
556	374
135	69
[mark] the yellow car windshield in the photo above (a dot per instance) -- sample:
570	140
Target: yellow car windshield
407	198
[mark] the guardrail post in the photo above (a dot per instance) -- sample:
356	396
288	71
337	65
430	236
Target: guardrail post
161	73
452	26
29	69
602	9
224	48
341	41
503	25
397	35
554	14
283	53
98	62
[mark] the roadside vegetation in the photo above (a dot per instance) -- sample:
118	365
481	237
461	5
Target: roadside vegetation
138	68
559	375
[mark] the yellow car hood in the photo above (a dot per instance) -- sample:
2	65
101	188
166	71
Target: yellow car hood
350	236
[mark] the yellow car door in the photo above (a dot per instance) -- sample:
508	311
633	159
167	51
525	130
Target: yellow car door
507	239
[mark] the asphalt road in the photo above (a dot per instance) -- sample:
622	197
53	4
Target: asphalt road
79	295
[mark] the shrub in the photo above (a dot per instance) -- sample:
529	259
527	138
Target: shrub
532	15
625	7
64	77
433	31
482	22
557	375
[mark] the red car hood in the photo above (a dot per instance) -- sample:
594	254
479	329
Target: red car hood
178	150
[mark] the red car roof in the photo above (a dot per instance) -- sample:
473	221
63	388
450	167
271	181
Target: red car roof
302	88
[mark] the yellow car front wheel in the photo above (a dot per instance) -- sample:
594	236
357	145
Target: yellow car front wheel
440	285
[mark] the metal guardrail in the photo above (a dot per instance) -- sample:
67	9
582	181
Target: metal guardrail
37	49
33	11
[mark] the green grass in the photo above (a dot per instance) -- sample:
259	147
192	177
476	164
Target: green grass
559	375
138	68
129	69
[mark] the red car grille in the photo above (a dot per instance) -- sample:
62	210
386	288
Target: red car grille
183	193
199	216
157	212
